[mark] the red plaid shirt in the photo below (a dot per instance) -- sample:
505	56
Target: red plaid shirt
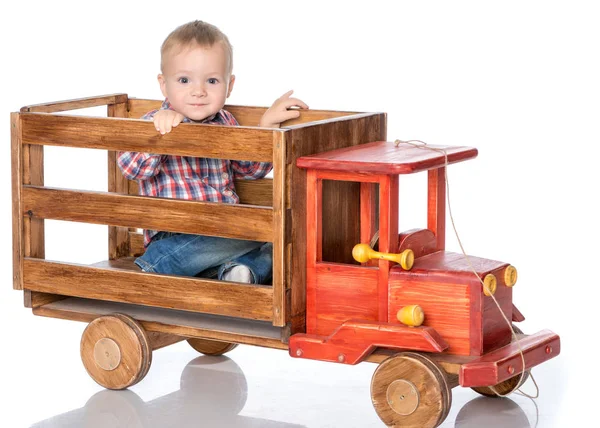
186	177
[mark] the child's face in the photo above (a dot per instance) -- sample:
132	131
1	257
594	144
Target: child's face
196	80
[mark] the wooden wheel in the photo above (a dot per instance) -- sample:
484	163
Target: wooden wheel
211	347
410	390
506	387
115	351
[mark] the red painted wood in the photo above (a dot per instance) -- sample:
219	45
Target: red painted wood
447	306
385	158
420	241
495	367
388	236
495	330
517	316
368	211
313	241
436	205
355	340
344	292
452	298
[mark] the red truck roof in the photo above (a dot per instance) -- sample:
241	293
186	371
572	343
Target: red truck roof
384	157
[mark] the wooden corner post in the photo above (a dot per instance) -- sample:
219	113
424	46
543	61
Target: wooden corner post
118	237
279	229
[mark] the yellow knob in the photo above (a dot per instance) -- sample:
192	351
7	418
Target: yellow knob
363	253
510	276
489	284
411	315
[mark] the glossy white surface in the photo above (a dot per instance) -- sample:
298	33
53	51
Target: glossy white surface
518	80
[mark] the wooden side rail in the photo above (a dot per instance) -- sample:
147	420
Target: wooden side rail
111	133
76	104
245	115
201	218
166	291
32	203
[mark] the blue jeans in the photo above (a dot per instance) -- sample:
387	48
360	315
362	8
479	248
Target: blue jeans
206	256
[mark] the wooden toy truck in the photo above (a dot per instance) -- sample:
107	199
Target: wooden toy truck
335	185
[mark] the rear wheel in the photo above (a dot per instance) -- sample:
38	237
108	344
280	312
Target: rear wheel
211	347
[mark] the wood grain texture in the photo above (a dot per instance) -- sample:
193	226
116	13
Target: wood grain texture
32	299
505	362
176	215
120	285
170	321
118	237
410	390
18	243
451	296
388	238
420	241
339	199
384	157
352	341
209	141
128	349
436	205
211	347
279	230
251	192
76	104
160	340
342	292
245	115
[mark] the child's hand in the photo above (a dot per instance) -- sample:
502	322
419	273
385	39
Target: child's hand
280	111
165	120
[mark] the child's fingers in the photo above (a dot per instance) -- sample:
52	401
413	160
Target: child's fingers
295	102
286	95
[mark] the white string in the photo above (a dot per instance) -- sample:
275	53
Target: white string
423	145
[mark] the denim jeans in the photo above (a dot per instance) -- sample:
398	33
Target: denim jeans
206	256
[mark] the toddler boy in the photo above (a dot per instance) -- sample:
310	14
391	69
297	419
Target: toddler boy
196	78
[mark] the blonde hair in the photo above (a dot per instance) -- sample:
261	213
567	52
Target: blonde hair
195	33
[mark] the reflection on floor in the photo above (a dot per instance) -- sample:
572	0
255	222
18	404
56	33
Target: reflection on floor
213	391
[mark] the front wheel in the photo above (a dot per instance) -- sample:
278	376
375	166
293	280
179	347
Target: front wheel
505	387
410	390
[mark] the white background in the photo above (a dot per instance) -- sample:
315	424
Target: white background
519	80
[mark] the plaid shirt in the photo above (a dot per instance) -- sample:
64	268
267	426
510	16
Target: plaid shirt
186	177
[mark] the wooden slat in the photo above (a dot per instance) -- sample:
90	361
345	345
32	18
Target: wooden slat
34	175
245	115
75	104
33	299
436	205
17	217
136	244
118	237
202	218
251	192
210	141
279	286
255	192
120	285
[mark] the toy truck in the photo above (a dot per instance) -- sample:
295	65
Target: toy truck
338	294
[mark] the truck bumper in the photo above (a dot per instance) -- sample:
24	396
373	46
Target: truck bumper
507	362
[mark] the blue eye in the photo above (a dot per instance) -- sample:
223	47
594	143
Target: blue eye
213	81
183	80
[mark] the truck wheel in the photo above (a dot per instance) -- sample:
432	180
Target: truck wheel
115	351
410	390
211	347
506	387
